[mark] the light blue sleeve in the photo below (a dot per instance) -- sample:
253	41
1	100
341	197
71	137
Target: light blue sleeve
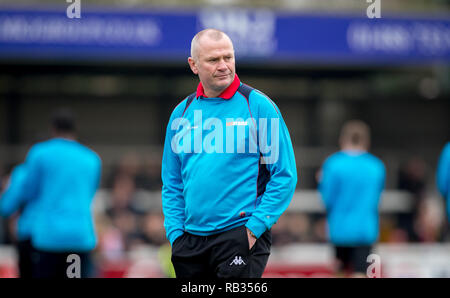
443	171
382	182
173	204
99	174
383	176
13	197
279	157
328	184
34	173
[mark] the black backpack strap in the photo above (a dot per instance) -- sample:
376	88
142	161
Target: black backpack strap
190	98
245	90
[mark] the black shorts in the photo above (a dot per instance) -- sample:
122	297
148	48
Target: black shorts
353	258
223	255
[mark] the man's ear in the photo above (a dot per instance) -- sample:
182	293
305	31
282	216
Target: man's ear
192	64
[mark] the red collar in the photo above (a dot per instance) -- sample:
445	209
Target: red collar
227	93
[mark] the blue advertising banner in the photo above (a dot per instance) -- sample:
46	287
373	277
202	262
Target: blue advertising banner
258	35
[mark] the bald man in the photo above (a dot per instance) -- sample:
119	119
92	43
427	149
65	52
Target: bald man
228	169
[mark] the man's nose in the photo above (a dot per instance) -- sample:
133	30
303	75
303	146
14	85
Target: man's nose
222	65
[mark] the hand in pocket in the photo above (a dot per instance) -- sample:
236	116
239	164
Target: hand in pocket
251	239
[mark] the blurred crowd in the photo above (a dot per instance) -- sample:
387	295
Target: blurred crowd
126	218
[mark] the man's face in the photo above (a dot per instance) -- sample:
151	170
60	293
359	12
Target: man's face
214	64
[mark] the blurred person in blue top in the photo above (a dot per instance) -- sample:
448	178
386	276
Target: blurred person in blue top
443	176
228	169
11	202
351	184
61	179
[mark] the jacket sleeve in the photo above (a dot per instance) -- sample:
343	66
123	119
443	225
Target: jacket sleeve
13	197
382	182
33	173
328	184
443	172
97	176
278	155
173	204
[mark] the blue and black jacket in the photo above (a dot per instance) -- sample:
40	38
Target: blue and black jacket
227	161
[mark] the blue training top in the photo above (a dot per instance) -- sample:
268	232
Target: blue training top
443	176
62	179
351	186
13	199
213	177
